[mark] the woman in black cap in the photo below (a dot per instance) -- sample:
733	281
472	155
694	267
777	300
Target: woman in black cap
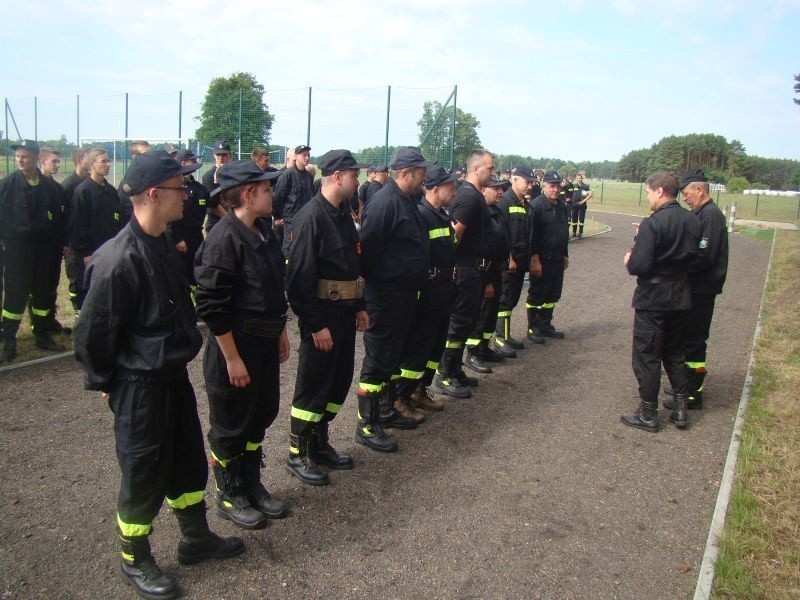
240	295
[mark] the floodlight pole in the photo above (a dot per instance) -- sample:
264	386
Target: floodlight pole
388	113
453	128
180	114
36	119
8	147
308	123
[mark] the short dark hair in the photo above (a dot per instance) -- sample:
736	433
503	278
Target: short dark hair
476	156
78	154
666	180
258	152
232	197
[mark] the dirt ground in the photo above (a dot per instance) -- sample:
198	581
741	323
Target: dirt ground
531	489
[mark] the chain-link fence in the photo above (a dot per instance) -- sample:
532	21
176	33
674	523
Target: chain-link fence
371	122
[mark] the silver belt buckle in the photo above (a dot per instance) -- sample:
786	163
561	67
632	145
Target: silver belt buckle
333	292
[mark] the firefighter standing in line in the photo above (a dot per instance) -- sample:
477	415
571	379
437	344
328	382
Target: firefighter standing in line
665	246
187	233
549	259
581	194
240	295
706	276
395	259
437	293
134	339
325	290
32	233
515	203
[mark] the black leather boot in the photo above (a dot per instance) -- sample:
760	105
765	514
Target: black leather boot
545	325
488	354
446	380
232	502
257	495
198	542
645	417
389	416
9	352
475	363
369	431
323	453
503	346
44	341
678	416
300	464
140	571
533	321
503	332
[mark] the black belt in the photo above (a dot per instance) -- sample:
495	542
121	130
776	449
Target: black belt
442	274
265	328
662	278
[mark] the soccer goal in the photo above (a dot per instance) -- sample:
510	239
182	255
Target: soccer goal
118	150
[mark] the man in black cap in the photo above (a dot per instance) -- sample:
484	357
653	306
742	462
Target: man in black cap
515	204
470	216
293	190
134	339
378	181
395	259
664	248
187	232
706	276
222	155
436	295
32	232
497	237
581	194
549	237
325	289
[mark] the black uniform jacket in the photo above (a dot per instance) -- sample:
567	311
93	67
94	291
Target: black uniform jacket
293	189
325	246
31	210
70	184
549	230
137	320
498	234
194	212
239	276
394	239
437	293
516	212
210	183
95	218
710	267
665	247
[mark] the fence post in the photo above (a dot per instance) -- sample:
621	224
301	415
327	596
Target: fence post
180	115
757	196
601	191
308	123
78	118
36	118
796	217
8	147
239	143
640	193
127	149
388	114
453	137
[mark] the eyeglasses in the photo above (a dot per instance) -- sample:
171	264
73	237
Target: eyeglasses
103	162
179	188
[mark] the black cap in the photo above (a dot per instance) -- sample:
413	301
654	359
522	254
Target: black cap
520	172
29	145
171	149
186	154
239	172
381	169
494	182
507	172
222	147
551	177
302	148
693	176
370	169
150	169
406	157
337	160
438	175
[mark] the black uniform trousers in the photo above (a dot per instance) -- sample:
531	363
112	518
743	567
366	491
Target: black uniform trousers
422	353
657	340
240	416
75	269
31	265
487	316
469	294
698	327
545	291
193	242
511	290
323	378
577	216
391	314
159	446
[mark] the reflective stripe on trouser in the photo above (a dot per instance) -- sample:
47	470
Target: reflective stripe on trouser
391	315
423	349
159	448
466	310
239	416
323	378
487	315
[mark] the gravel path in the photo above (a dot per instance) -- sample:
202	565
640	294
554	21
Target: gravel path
532	489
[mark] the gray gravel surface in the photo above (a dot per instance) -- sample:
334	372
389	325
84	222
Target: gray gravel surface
531	489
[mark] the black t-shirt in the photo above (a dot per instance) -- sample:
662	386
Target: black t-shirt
469	208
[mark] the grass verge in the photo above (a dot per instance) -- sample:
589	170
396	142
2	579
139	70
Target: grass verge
759	554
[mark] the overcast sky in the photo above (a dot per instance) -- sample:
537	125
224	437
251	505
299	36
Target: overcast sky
572	79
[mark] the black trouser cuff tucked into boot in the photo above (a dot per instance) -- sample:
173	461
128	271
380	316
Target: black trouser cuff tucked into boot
300	464
139	569
198	542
